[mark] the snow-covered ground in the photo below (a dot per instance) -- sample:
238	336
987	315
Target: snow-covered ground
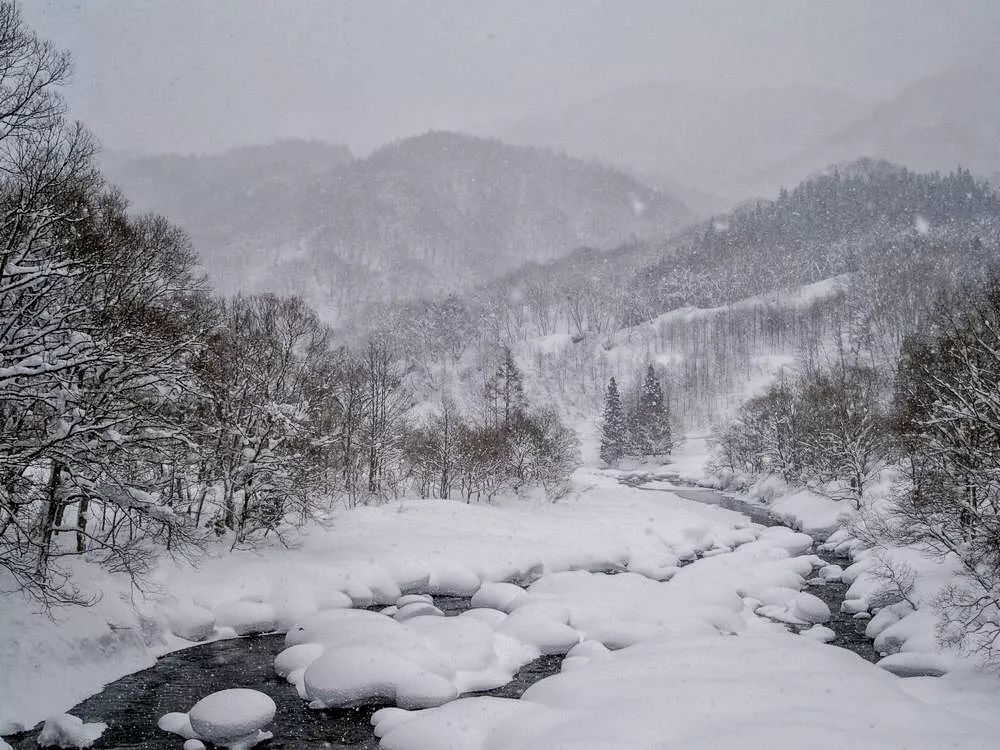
660	654
362	556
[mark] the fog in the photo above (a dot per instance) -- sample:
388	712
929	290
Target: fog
204	76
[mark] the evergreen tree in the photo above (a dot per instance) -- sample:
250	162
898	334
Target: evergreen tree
614	438
651	430
504	393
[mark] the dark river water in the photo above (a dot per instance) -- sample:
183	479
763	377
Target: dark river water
132	705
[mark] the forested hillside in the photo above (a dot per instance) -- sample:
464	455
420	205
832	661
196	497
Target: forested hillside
868	244
433	214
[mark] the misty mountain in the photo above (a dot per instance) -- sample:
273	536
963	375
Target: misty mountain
730	145
933	125
711	138
427	215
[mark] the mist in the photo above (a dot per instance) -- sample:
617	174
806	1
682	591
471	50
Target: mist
194	77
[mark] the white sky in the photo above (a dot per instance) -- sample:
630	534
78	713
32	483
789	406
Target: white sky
203	75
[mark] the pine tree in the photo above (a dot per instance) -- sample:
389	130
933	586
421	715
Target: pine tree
651	434
614	437
505	393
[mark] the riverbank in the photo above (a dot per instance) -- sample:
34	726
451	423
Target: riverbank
361	557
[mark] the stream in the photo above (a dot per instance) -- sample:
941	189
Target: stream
132	705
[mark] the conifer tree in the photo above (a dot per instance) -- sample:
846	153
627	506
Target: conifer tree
652	419
505	393
614	437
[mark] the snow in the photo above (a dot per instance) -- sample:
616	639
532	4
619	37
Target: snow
177	722
819	633
66	730
191	622
810	608
634	640
246	617
347	676
758	690
233	718
500	596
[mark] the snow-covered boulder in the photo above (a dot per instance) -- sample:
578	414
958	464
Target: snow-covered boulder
416	609
194	744
179	723
296	657
820	633
413	599
356	675
547	635
502	596
246	617
233	718
831	573
66	730
191	622
809	608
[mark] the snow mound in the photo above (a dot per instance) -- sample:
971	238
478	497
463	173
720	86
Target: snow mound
178	723
66	730
246	617
416	609
502	596
350	676
809	608
698	693
296	657
191	622
194	744
233	718
820	633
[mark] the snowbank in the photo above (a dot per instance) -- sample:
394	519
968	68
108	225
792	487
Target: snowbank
361	557
759	690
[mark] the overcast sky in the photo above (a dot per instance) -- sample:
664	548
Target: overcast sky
203	75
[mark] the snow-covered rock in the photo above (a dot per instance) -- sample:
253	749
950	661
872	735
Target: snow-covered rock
502	596
66	730
194	744
819	633
233	718
296	657
413	598
352	676
809	608
416	609
191	622
548	635
831	572
179	723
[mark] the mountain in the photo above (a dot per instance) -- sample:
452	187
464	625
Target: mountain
425	216
711	138
863	247
933	125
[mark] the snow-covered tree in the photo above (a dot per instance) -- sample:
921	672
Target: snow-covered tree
649	424
614	431
504	392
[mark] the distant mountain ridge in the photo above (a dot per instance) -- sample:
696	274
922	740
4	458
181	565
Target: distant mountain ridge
738	143
424	216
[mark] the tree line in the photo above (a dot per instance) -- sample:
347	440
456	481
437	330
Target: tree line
639	426
934	415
